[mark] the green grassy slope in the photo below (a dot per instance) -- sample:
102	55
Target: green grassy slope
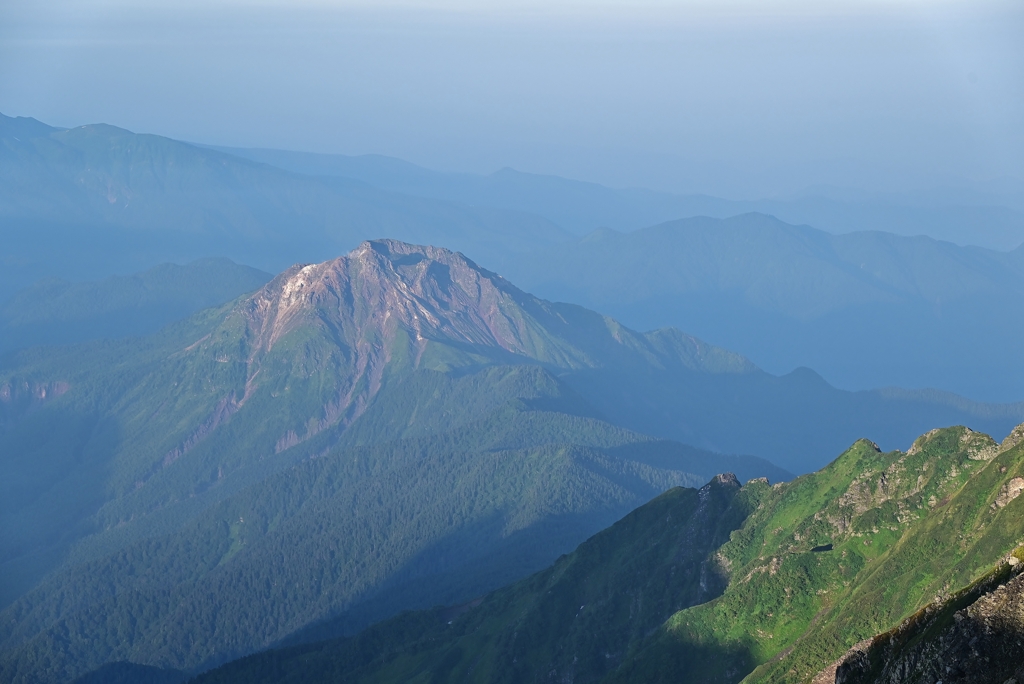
904	528
791	577
970	637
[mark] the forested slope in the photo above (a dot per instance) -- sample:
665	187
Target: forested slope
178	500
774	585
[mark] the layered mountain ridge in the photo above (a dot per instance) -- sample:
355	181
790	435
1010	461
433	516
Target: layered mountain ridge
90	201
756	584
865	309
580	207
393	429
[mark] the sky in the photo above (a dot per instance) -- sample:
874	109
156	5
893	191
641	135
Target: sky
737	99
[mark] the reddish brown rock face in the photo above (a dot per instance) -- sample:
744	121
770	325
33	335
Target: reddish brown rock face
383	286
388	298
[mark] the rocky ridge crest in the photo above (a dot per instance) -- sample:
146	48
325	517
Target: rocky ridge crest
975	636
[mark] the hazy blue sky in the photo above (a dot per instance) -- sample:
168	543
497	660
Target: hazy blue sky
738	99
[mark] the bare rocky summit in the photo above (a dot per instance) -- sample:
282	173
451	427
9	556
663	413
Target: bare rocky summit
390	307
385	285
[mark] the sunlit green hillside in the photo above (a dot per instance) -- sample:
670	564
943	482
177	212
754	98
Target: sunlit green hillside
761	583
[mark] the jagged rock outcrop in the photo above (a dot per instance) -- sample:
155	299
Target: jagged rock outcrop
974	637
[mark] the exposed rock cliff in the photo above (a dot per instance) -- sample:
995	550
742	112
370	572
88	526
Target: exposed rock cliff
974	637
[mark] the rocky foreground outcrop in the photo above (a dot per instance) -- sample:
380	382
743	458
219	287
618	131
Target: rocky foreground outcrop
973	637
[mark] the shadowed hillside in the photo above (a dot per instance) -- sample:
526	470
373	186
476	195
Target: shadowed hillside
765	583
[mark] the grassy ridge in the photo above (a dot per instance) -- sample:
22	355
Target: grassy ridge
904	528
790	577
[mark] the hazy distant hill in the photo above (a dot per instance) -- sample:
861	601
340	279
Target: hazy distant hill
995	221
87	202
864	309
391	429
760	584
54	311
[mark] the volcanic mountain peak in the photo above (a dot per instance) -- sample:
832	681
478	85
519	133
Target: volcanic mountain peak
382	286
341	327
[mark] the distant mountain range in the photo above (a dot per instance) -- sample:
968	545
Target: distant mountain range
391	429
757	583
993	220
202	461
864	309
90	202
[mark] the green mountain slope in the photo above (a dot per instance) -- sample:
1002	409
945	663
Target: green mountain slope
973	636
791	576
175	500
903	528
59	312
130	459
297	364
